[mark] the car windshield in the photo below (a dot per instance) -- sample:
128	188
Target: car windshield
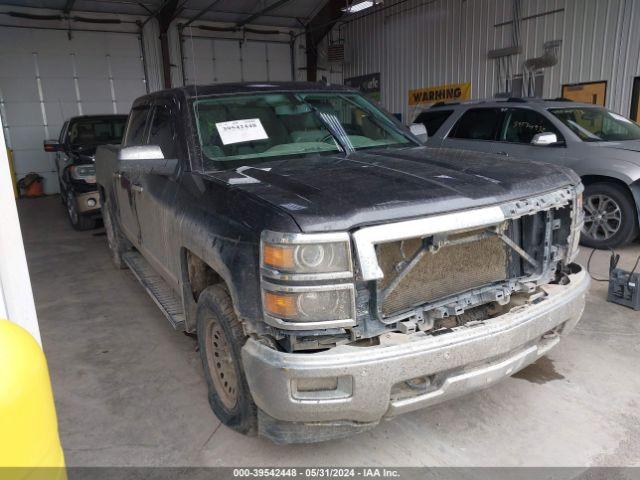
263	126
598	124
91	131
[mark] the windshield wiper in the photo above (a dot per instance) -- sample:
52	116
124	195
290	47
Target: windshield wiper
334	126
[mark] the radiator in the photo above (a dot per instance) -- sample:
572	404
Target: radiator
451	270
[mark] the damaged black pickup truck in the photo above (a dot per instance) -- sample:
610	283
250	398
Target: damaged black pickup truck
336	272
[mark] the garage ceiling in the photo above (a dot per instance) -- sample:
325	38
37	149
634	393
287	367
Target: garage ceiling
291	13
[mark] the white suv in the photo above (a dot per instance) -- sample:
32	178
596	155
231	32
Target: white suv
600	145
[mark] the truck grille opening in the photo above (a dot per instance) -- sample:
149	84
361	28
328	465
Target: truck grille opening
451	270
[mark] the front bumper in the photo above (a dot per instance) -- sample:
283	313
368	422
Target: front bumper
88	203
359	381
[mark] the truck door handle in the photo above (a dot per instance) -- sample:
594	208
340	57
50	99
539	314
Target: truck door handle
502	153
137	188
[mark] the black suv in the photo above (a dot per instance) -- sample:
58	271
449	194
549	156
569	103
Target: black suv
75	155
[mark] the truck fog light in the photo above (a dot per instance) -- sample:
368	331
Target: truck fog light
91	202
319	389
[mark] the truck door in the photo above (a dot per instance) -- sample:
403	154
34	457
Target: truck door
156	200
125	184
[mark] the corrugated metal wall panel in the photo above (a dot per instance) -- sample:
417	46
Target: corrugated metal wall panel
153	55
417	43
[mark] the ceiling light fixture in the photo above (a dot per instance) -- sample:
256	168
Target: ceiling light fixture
359	6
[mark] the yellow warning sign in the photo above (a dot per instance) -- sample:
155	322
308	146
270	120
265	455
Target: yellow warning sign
453	92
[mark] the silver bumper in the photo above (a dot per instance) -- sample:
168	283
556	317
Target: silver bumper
88	202
358	381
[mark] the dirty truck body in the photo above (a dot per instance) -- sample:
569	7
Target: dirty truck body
336	271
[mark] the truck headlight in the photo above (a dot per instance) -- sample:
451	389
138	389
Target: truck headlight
311	256
86	173
331	303
296	270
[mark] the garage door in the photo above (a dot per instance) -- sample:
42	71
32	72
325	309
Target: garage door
214	60
46	78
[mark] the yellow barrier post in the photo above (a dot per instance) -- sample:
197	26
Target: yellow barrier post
12	171
29	443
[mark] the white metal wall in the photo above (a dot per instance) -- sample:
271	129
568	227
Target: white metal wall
418	43
230	57
217	60
45	78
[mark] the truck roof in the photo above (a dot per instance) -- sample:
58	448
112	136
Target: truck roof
500	102
192	91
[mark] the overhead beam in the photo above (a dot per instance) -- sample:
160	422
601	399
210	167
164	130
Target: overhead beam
165	14
201	12
142	5
260	13
318	28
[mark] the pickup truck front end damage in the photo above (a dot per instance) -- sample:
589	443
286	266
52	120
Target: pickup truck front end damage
429	309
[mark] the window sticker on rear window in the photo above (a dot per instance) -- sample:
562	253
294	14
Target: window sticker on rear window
238	131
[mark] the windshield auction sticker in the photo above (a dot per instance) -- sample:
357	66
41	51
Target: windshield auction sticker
238	131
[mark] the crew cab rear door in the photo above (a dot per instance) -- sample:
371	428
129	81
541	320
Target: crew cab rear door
155	202
126	184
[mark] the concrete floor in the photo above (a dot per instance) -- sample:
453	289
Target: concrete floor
130	391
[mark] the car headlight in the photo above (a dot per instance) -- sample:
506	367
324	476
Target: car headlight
289	262
86	173
312	256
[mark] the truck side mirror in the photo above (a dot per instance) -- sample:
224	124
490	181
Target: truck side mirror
52	146
419	131
146	160
544	138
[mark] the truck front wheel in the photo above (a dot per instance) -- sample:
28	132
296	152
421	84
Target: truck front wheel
220	338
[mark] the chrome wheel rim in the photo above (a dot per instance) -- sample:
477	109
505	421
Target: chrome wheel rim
221	366
71	208
602	217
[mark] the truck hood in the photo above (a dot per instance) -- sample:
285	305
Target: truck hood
328	193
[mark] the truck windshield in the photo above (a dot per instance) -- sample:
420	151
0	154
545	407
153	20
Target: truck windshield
598	124
91	131
268	125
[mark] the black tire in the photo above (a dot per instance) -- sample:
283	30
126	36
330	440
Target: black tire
63	194
118	244
220	338
603	229
77	220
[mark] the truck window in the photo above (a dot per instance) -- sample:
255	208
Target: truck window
479	124
523	124
433	120
162	131
63	133
92	131
136	126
